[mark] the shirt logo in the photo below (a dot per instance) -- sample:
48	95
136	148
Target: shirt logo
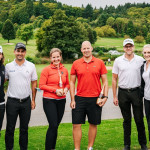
11	70
27	71
62	72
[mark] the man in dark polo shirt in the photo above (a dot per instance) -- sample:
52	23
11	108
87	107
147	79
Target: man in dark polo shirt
21	74
88	70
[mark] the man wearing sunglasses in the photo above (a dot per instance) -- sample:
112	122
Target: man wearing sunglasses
126	71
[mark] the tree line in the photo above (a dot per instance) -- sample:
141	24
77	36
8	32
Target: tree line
65	25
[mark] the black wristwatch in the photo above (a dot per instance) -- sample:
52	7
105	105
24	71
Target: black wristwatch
105	96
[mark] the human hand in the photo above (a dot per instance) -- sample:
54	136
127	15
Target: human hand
115	101
101	101
73	104
33	105
65	91
59	92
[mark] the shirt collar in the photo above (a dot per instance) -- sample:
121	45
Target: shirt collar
127	59
83	61
60	66
25	62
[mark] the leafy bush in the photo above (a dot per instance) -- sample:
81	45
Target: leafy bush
104	49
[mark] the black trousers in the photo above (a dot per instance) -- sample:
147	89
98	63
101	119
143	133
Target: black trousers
2	111
126	100
13	109
54	110
147	112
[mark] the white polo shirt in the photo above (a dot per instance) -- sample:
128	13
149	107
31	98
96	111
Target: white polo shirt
146	77
128	71
20	78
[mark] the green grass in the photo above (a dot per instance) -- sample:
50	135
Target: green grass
109	137
8	48
114	42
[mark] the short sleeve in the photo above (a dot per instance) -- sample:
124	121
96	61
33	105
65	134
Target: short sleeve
6	72
34	74
73	70
115	69
103	68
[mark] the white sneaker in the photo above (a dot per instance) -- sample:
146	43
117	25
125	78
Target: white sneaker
90	148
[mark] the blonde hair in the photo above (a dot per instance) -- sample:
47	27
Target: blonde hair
146	46
53	50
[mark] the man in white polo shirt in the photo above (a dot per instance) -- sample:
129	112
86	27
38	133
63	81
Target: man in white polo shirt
20	73
126	70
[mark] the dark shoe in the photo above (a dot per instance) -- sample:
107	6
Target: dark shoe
126	147
144	147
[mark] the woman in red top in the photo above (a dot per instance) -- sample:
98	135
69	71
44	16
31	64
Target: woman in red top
55	84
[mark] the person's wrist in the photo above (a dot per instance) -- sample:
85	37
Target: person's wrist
105	97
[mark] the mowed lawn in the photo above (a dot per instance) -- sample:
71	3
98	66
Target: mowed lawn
8	48
109	137
115	42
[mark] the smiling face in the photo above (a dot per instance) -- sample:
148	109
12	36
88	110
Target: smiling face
55	58
146	53
129	49
86	49
20	54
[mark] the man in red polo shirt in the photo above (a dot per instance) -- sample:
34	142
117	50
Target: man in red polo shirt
88	70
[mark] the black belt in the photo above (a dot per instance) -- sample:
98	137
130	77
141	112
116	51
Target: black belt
19	100
130	89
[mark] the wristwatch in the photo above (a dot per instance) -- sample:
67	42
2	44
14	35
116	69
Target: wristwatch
105	96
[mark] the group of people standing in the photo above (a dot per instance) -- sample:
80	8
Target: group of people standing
131	71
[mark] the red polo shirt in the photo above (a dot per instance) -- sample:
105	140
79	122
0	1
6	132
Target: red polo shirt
88	75
49	81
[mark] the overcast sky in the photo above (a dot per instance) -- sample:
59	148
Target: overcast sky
100	3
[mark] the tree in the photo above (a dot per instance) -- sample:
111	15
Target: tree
25	33
62	32
88	12
120	24
130	30
148	38
8	31
144	30
1	26
110	21
99	31
92	35
139	39
20	16
101	21
108	31
29	7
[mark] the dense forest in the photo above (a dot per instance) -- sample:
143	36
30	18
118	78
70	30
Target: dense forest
130	20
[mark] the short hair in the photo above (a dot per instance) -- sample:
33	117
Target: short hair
53	50
146	46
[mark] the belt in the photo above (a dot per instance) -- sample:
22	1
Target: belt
130	89
19	100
